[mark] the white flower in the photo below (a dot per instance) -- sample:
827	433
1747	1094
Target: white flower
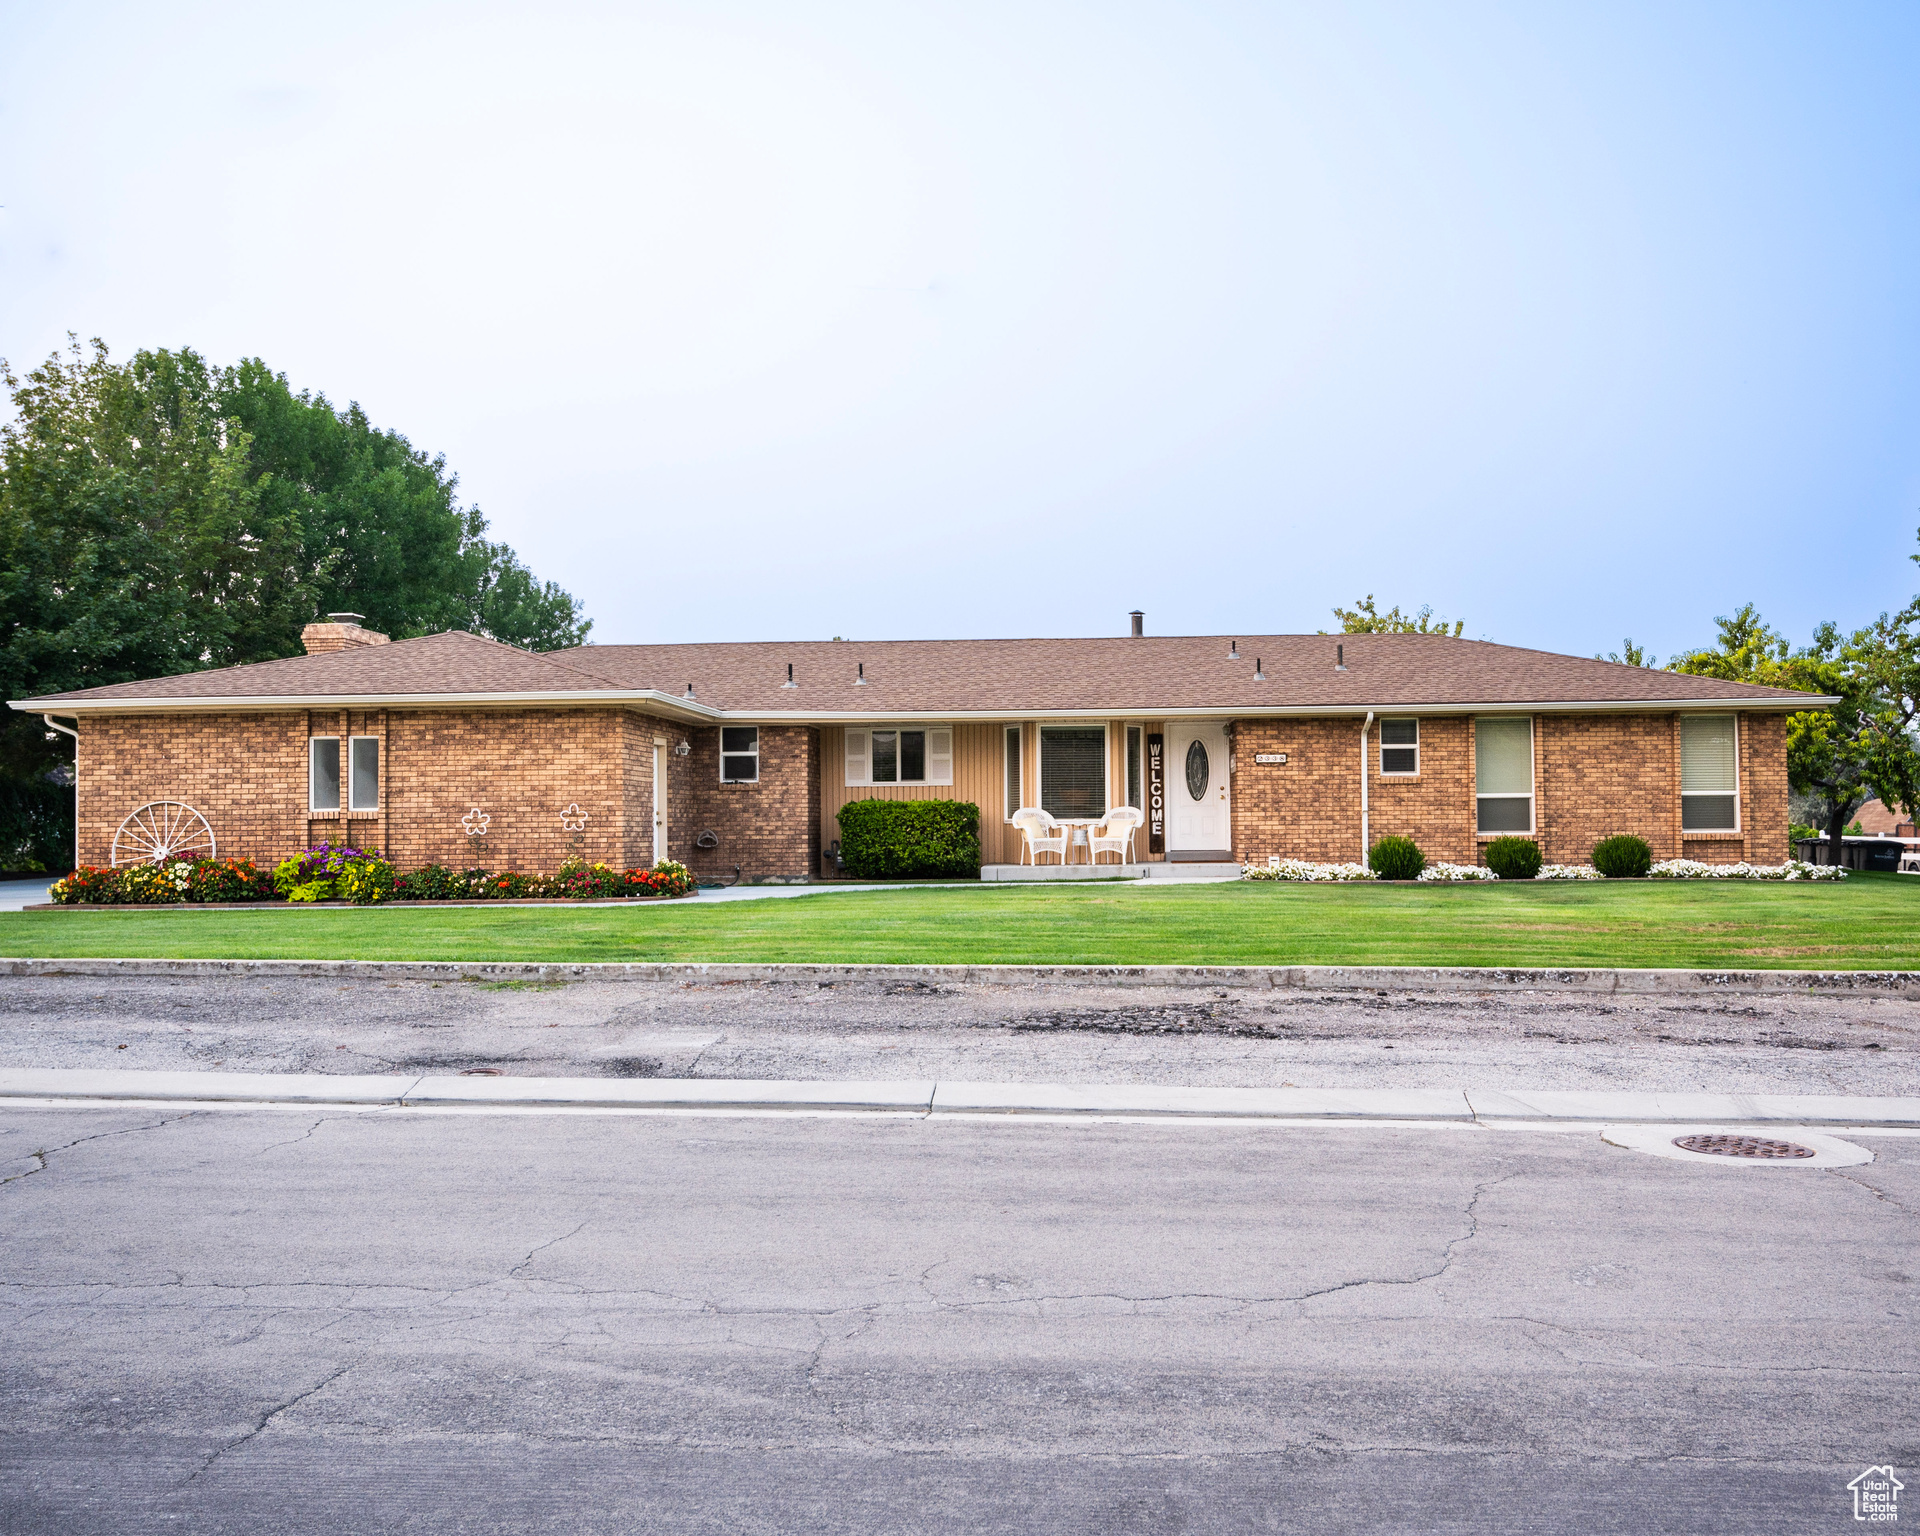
1301	869
1453	873
1792	869
1568	872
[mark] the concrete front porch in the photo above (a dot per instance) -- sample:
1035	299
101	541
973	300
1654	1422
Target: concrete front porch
1156	871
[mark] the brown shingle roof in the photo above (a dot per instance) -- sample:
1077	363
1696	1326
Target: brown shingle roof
1181	674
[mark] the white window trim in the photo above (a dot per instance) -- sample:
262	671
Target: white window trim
1106	758
341	769
723	754
1738	809
938	777
1401	773
347	772
1533	778
1019	735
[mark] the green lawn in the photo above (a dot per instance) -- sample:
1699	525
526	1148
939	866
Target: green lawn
1867	922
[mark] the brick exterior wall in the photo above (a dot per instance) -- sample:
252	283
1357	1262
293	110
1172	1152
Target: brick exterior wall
767	828
1594	775
247	774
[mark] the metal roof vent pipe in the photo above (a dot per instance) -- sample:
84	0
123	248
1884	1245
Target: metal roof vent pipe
1233	650
689	690
861	680
789	683
1139	623
1259	670
1339	658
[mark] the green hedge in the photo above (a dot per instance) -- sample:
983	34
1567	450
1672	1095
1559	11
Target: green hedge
896	839
1514	858
1396	858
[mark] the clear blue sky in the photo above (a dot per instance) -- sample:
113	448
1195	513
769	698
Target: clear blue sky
772	320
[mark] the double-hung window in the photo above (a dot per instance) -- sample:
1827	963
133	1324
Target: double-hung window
1709	774
1073	771
1400	746
363	773
900	755
739	754
1503	772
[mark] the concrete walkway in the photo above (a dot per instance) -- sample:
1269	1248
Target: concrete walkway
66	1086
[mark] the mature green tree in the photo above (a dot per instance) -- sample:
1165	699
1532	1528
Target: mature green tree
162	515
1630	655
1364	619
1861	747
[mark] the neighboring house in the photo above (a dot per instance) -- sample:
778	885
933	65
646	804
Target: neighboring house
1877	821
1308	746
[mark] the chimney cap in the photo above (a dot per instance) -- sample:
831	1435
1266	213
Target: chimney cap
347	618
1139	623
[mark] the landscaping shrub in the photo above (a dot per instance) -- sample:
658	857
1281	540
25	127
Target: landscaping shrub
1514	858
229	880
206	880
1396	858
893	839
365	880
323	861
666	878
431	882
1624	857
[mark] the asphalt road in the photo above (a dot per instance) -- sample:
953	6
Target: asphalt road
406	1322
1739	1043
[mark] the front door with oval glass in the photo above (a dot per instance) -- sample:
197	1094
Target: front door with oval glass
1199	803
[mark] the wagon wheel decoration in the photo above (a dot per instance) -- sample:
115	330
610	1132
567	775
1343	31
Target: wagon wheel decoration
161	831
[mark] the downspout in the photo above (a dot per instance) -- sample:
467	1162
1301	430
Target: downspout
1365	844
56	725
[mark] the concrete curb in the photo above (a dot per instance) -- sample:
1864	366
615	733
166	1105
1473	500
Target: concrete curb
996	1100
1310	978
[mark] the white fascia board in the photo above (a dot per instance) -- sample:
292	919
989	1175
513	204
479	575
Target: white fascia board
654	702
1231	712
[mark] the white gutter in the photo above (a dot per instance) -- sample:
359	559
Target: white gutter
678	706
1365	845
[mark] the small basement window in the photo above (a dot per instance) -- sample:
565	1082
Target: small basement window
323	773
1503	772
1399	746
363	774
1709	774
739	754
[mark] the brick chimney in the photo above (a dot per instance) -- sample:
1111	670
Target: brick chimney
341	632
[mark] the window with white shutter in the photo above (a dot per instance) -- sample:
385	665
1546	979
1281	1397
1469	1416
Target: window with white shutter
857	758
890	754
1709	774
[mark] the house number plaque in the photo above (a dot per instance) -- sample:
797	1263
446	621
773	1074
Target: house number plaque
1156	794
1269	757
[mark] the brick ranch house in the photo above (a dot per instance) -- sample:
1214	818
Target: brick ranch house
458	750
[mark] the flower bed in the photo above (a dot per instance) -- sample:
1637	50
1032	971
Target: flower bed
1300	869
1569	872
328	873
1454	874
1793	869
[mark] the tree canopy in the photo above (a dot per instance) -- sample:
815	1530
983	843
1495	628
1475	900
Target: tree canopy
1363	618
1861	747
163	515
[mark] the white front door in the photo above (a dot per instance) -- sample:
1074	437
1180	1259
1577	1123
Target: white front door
659	802
1199	812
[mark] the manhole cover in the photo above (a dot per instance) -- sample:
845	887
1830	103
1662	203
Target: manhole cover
1741	1146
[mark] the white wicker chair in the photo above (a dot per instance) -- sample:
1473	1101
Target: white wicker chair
1114	835
1041	832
